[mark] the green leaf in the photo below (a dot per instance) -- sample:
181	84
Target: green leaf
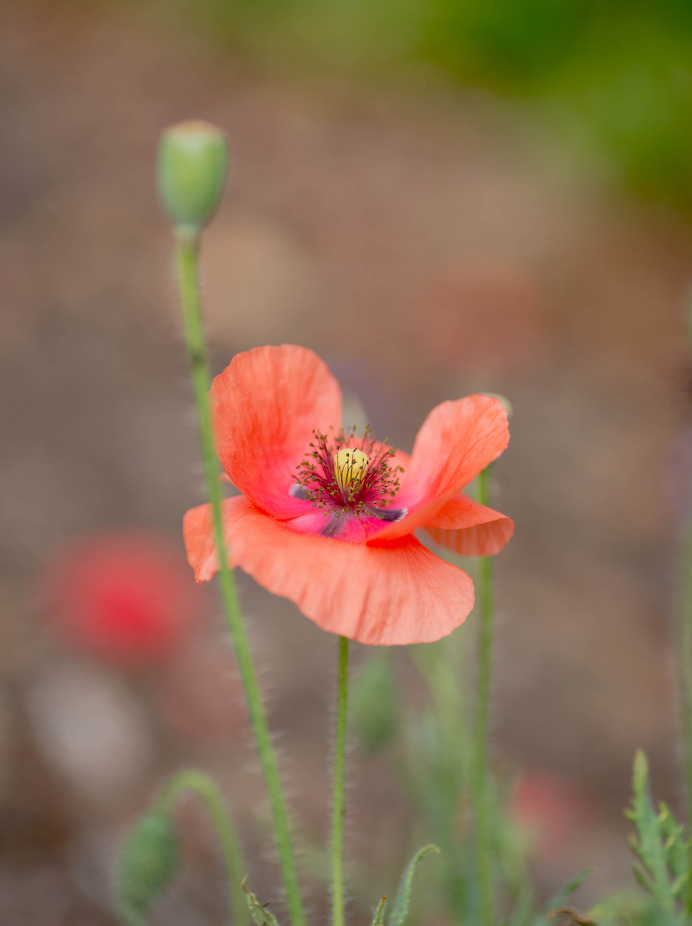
624	907
402	901
641	878
678	885
260	914
653	832
560	899
565	892
378	918
677	849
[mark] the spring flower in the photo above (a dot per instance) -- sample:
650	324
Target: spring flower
553	810
121	596
327	518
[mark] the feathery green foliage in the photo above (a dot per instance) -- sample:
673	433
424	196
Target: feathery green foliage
660	845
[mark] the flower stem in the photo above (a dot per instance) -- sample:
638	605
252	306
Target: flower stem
187	255
193	780
480	773
339	805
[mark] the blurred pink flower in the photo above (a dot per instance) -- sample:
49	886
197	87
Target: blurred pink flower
122	596
553	809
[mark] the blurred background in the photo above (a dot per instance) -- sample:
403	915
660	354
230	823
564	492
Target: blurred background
439	196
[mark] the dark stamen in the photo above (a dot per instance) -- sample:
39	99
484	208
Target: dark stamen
388	514
358	487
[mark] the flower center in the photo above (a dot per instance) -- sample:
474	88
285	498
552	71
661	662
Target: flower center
350	469
344	478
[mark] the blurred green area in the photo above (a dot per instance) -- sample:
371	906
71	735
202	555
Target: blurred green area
615	78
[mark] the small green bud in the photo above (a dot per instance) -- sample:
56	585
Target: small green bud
147	862
506	404
191	172
374	708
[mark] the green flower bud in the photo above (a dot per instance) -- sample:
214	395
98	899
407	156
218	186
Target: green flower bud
147	862
191	172
506	404
374	710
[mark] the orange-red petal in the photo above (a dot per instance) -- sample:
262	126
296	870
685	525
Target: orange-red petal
457	440
470	528
198	536
384	594
265	406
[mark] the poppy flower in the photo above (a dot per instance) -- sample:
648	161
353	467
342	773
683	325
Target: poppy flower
121	596
554	810
327	519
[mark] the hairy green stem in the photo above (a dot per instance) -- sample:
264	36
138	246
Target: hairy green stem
187	256
480	771
339	796
202	785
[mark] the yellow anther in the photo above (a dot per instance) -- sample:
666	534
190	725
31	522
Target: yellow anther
350	466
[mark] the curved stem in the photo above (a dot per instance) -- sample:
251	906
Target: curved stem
339	797
186	255
202	785
480	771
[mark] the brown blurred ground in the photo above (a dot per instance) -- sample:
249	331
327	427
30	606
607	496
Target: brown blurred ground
425	250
